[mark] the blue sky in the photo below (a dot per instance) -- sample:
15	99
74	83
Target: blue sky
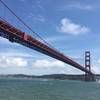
71	26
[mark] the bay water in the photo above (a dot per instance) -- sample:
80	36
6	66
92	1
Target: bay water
46	89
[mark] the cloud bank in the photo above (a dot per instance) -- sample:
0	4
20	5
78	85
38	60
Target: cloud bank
69	27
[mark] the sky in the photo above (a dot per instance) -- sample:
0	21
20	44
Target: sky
71	26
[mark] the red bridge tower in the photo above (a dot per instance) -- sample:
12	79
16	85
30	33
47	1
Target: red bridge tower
88	77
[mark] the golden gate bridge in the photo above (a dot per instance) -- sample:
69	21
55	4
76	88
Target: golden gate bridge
13	34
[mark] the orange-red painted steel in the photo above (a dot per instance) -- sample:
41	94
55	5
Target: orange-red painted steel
43	48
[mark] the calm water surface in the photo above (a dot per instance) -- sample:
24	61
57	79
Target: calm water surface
30	89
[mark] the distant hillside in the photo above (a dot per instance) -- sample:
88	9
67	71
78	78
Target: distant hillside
53	76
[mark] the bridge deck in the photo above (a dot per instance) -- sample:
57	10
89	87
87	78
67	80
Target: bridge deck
15	35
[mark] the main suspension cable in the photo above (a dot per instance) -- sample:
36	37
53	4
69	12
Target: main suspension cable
23	22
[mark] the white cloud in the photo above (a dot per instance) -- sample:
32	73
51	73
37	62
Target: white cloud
95	66
40	18
39	4
99	61
12	62
37	67
53	67
67	26
48	64
81	6
55	38
4	41
96	70
36	18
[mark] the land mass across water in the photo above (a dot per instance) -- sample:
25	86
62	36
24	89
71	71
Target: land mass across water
52	76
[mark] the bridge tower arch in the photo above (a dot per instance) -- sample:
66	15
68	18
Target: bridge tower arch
88	77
